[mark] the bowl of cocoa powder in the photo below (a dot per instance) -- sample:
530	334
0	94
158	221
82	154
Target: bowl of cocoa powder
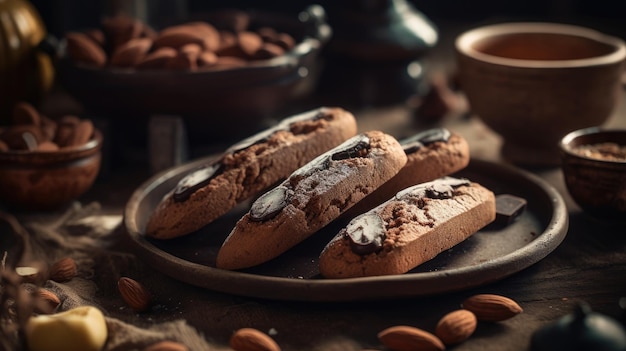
44	163
593	161
227	73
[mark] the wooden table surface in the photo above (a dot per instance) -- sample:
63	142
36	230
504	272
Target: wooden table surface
590	266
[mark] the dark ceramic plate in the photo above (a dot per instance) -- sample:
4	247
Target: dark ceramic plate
489	255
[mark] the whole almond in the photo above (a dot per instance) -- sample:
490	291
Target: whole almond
186	59
407	338
268	51
81	48
97	35
166	346
134	294
158	58
208	36
284	40
492	307
25	113
47	146
250	339
63	270
226	62
131	53
82	133
48	128
177	40
34	274
228	40
65	130
46	301
456	326
121	29
249	42
268	34
22	137
207	59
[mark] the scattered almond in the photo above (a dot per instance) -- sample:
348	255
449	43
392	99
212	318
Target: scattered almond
456	326
134	294
63	270
166	346
250	339
407	338
491	307
46	301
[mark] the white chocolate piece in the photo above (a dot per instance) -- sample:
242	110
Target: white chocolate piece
79	329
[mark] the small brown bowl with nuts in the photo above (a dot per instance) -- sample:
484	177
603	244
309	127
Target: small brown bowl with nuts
228	72
594	168
45	163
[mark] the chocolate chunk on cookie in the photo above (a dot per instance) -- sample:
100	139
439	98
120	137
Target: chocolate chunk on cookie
311	198
409	229
248	168
431	154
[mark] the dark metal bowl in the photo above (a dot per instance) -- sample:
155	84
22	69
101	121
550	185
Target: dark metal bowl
231	102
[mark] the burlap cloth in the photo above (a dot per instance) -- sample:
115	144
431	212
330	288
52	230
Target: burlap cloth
90	238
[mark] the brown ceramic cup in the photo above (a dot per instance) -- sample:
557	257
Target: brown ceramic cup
532	83
594	168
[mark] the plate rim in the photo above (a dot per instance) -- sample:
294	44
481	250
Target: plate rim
397	286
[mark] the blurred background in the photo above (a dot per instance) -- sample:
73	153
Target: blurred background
376	56
63	15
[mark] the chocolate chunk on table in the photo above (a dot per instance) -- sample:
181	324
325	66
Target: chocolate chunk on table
508	208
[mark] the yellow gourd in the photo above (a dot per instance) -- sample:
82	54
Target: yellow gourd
26	72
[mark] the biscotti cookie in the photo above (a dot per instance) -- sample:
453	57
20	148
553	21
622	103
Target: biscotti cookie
431	154
311	198
409	229
248	168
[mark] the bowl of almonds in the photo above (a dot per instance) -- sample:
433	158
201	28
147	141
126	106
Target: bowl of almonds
46	163
594	167
225	71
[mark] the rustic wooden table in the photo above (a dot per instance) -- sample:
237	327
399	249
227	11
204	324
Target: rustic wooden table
589	266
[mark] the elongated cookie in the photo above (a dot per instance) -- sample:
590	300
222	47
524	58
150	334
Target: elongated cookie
409	229
311	198
431	154
247	169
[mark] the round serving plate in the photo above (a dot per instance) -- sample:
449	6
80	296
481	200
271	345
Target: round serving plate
491	254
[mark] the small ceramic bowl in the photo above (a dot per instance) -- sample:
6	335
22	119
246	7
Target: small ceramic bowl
532	83
48	180
594	168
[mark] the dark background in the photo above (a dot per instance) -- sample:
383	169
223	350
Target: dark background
606	15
